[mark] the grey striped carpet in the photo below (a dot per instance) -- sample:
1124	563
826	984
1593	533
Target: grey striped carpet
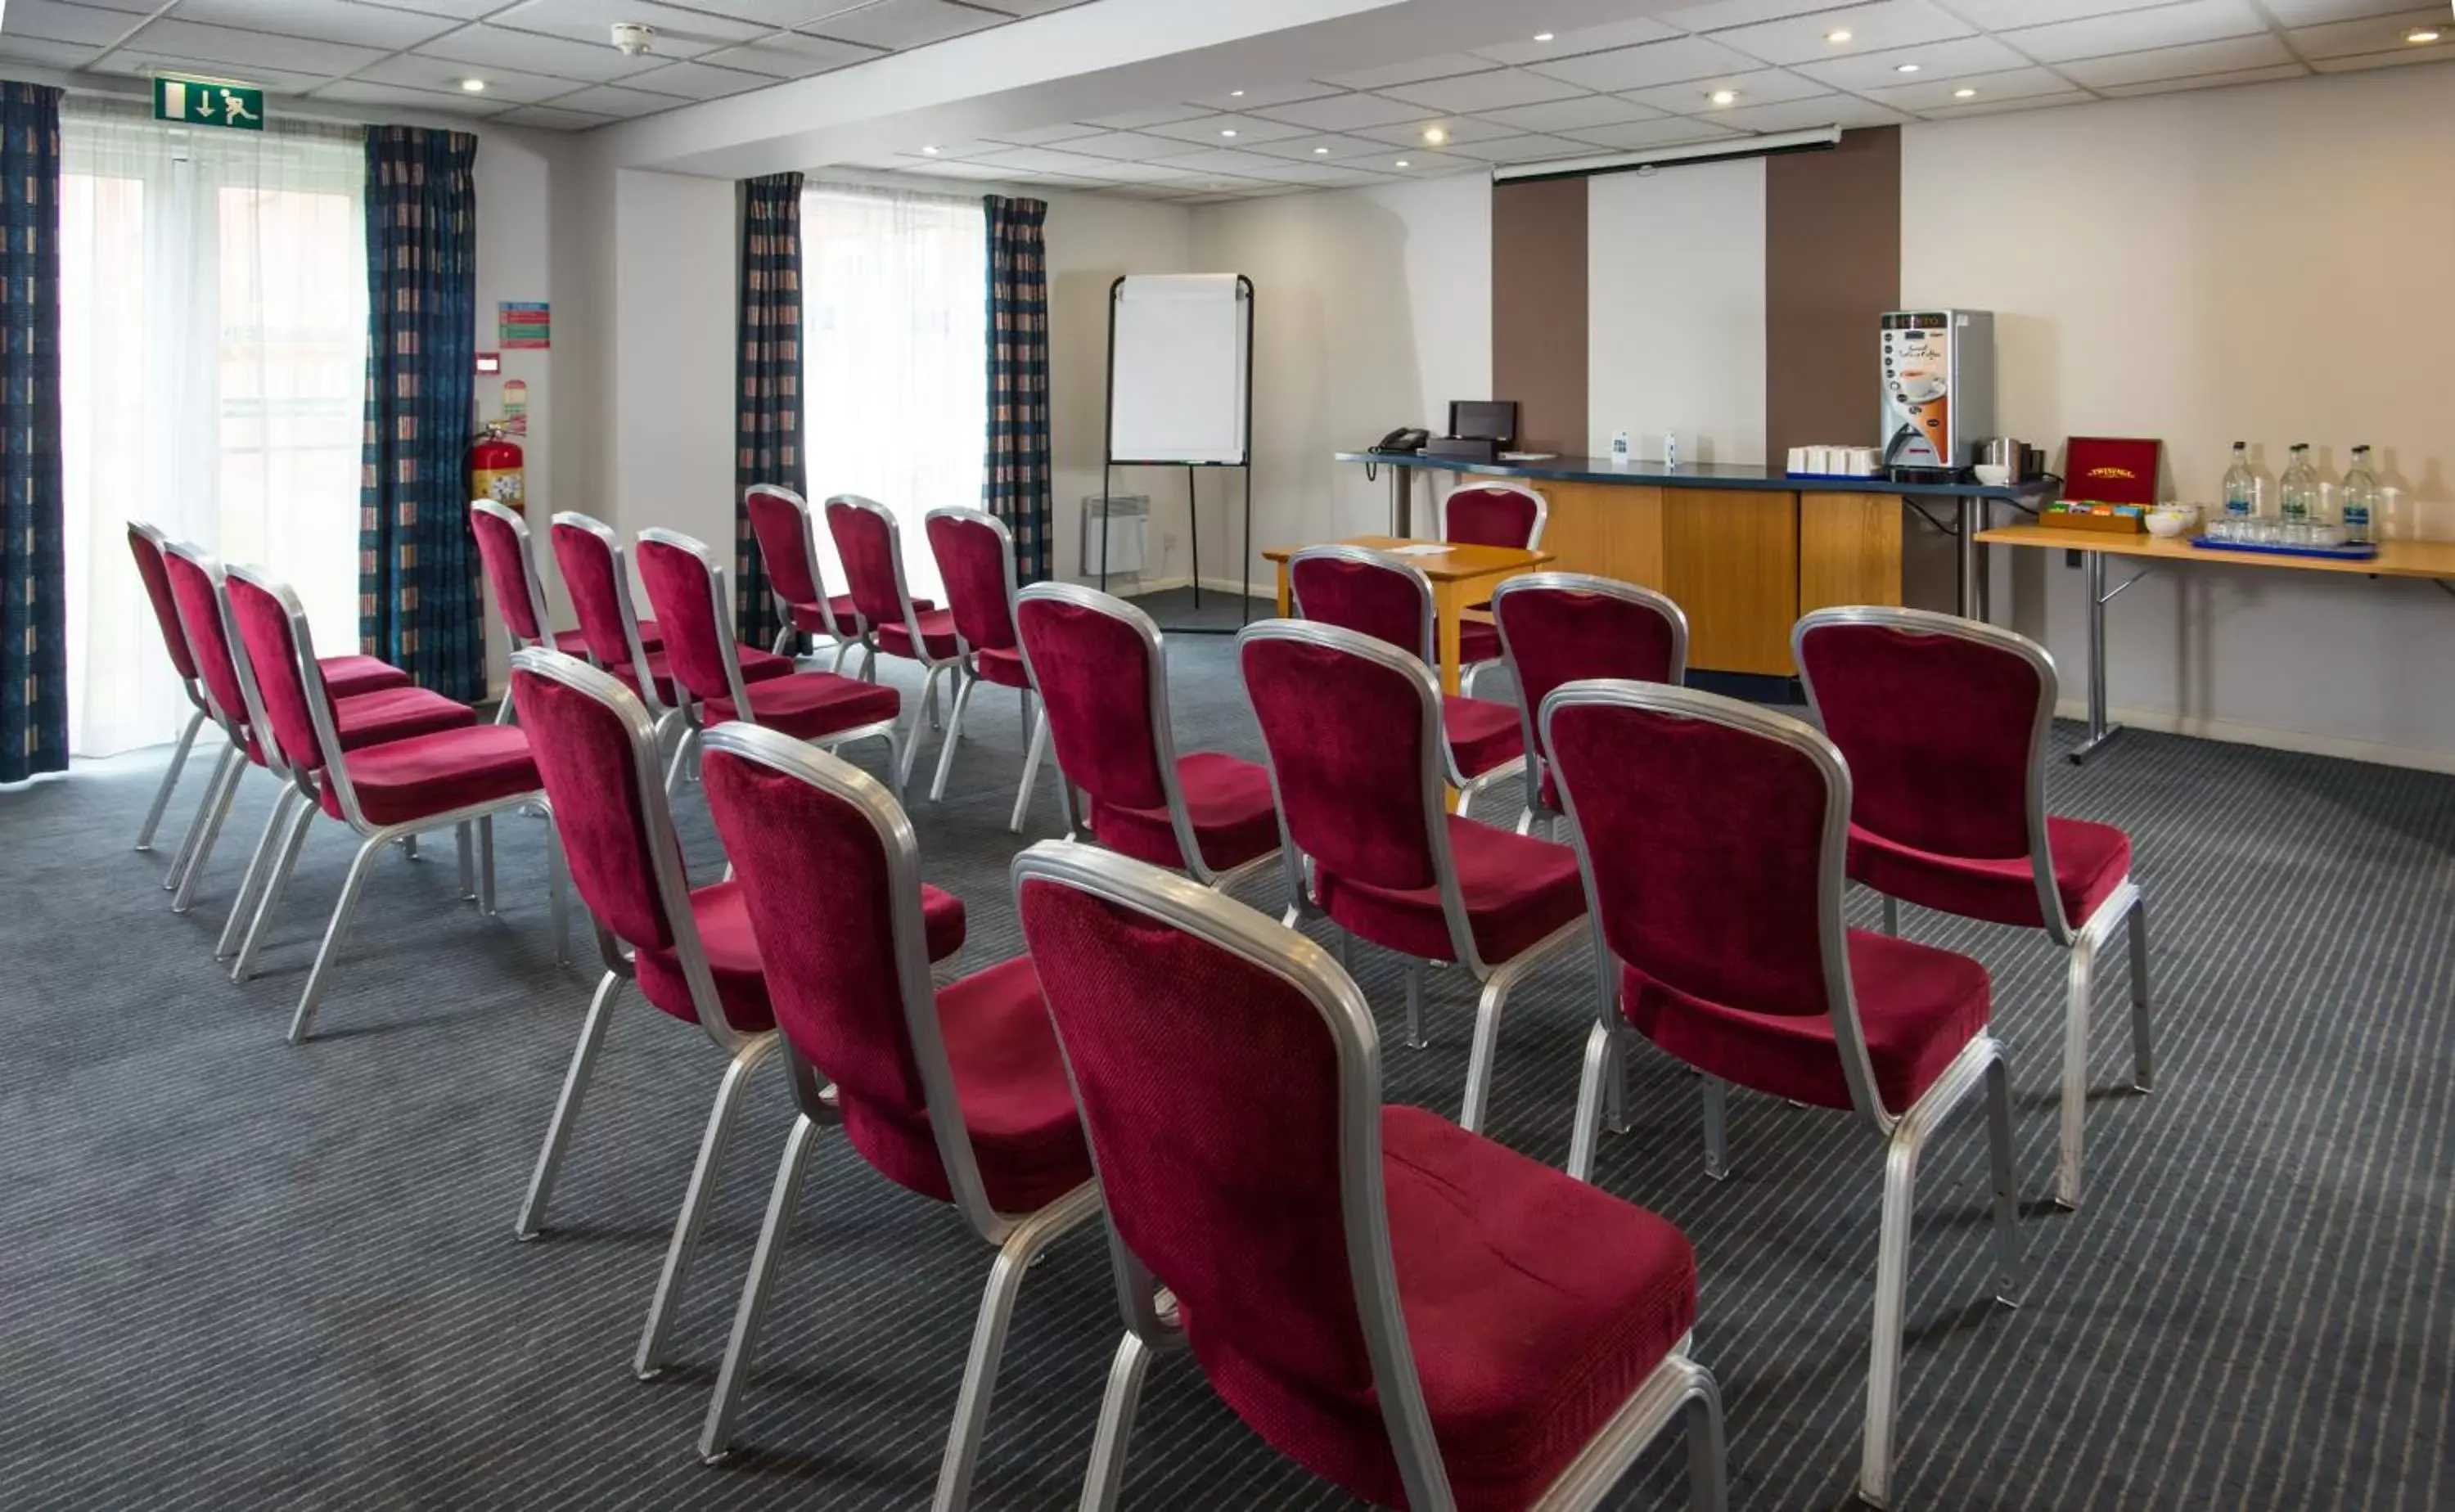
238	1275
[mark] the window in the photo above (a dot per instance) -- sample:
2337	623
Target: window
894	357
213	349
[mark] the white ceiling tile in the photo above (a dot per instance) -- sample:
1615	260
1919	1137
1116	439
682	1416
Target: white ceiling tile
2138	30
2235	53
1655	63
2314	12
1322	175
458	10
951	152
790	55
1254	96
1029	7
1845	110
1585	39
486	48
1720	13
965	171
1935	60
2346	39
1111	172
1873	28
698	81
1156	115
2012	84
1457	128
1567	115
1420	164
2382	60
612	99
2001	15
141	8
1484	91
768	16
1047	160
1042	135
549	118
323	20
1521	149
679	33
127	60
1324	146
1216	160
48	54
2211	81
1762	87
1343	112
51	21
1211	131
1132	147
903	23
509	86
1441	67
1985	107
1669	131
230	46
359	92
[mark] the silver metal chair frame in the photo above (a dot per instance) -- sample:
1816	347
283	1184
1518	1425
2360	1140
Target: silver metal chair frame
967	672
1018	1239
1676	1387
1904	1133
746	1051
1496	980
1163	729
668	722
1534	539
212	808
198	713
1661	605
538	611
2125	904
721	595
1426	651
926	705
844	641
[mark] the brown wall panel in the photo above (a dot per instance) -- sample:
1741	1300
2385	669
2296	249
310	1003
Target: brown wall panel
1538	310
1833	264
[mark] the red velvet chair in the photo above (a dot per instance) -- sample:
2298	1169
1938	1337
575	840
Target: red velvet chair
1711	835
1388	598
690	950
957	1092
788	547
870	545
1417	1315
1557	628
687	586
145	543
1353	725
1489	515
1101	672
1944	721
975	554
443	779
503	545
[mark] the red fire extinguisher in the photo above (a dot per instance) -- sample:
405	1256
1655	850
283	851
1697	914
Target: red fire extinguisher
496	470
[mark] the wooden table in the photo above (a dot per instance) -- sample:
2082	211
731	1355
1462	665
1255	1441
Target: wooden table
2432	560
1460	575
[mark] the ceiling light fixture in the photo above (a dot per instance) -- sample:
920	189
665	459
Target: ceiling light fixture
2424	35
1542	36
1836	37
1227	131
1724	96
928	151
1321	151
474	86
1905	68
1964	94
1235	94
1403	163
1435	136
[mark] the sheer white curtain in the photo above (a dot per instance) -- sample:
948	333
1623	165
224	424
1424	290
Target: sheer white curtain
894	357
213	348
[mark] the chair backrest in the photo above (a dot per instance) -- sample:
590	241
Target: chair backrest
1494	514
975	555
780	518
289	710
1373	592
870	546
145	544
590	558
1559	628
1711	834
1944	721
831	872
195	582
1101	670
1230	1080
510	568
686	589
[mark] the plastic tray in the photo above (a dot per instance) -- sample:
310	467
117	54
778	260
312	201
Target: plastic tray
2350	552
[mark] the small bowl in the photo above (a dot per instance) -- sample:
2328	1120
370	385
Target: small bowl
2170	520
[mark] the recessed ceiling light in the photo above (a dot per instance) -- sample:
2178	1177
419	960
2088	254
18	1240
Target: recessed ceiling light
1235	94
1435	136
1724	96
1403	163
1964	94
928	151
1542	36
1841	35
474	86
1905	68
1321	151
2424	34
1227	131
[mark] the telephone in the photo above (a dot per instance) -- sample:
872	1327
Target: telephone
1403	440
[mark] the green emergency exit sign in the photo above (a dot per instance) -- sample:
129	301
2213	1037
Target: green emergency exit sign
183	101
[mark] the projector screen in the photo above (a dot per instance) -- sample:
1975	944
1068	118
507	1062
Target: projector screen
1176	376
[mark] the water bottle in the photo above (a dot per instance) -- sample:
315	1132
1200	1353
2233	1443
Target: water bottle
1619	449
2298	492
2241	487
1671	450
2363	501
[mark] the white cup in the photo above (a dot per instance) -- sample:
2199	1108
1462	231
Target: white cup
1992	474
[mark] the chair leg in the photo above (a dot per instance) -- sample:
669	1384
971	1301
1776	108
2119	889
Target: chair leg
680	763
1015	1257
964	687
187	850
650	1359
1718	1145
1030	764
1891	916
2079	988
930	697
1708	1460
258	859
1415	1039
784	639
486	865
925	706
1588	1131
843	648
558	892
1107	1473
2007	1184
2143	1058
1480	1059
566	1109
220	798
334	933
1892	1285
716	1435
408	846
461	846
276	886
170	781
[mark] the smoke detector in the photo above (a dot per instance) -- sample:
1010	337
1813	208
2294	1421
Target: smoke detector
632	39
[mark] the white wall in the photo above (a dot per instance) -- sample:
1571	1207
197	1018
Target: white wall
1676	319
669	435
2266	263
515	256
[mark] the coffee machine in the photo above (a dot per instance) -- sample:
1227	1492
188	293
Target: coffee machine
1938	393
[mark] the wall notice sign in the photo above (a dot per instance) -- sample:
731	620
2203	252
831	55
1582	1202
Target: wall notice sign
184	101
528	326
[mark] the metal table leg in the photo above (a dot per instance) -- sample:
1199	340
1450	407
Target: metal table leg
1973	559
2100	733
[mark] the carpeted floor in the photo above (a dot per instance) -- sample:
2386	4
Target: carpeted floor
234	1273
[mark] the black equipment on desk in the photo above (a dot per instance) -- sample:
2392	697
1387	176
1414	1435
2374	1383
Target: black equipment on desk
1404	441
1463	448
1493	420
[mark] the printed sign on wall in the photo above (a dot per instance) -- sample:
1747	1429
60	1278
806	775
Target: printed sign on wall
526	326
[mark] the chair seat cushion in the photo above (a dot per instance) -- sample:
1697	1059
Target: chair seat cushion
1534	1306
1517	889
2091	860
348	676
937	635
723	916
574	643
1002	665
1226	797
811	705
1010	1083
1482	734
757	666
1919	1007
1478	640
403	782
395	714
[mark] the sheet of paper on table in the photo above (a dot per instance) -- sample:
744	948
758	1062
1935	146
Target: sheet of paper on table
1528	457
1422	549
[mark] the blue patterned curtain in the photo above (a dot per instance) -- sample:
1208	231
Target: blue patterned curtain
33	609
419	604
767	383
1015	480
